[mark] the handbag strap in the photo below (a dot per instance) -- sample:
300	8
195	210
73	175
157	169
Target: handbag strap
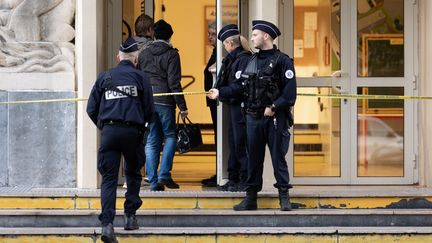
184	120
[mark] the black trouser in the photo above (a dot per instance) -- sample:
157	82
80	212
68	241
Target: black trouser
262	130
117	140
213	113
237	162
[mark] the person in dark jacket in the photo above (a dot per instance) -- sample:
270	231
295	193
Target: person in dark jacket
208	84
161	62
230	91
120	104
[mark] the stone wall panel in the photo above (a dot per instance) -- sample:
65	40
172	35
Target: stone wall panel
42	141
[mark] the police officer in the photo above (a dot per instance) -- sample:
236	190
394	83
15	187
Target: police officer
229	90
120	104
270	89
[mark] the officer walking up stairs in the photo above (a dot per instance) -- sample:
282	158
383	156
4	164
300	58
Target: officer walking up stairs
120	104
270	90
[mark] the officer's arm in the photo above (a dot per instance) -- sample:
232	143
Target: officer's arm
174	77
289	92
235	88
94	101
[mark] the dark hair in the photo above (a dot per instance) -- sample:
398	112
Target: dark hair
142	24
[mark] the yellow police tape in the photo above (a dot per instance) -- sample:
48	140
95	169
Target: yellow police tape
328	96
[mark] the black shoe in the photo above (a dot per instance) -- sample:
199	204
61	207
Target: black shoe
210	182
230	186
130	222
248	203
240	187
284	200
285	205
108	235
157	188
169	183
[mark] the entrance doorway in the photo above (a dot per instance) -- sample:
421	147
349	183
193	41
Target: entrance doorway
348	47
190	38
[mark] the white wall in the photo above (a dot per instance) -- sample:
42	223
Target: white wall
89	39
425	89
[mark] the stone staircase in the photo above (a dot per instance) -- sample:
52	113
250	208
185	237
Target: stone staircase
321	214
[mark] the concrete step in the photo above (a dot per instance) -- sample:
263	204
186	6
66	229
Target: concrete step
307	138
225	218
222	235
302	197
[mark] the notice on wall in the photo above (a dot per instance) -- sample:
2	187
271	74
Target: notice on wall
309	38
310	20
298	48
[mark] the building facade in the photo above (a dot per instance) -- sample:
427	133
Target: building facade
55	49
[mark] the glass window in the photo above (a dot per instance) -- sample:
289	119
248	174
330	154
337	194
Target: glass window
380	130
316	135
316	37
380	33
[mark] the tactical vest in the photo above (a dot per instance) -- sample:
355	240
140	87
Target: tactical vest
260	86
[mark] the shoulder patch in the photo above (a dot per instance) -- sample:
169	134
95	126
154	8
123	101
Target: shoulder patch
238	74
289	74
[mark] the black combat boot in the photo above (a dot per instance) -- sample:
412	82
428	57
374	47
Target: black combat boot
284	200
108	235
130	222
248	203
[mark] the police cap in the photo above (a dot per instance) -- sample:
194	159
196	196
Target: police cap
129	45
228	31
267	27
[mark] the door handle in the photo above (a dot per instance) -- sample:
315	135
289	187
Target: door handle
336	75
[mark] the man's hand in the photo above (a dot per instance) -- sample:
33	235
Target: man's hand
184	114
214	94
268	112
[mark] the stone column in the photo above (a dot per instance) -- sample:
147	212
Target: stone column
425	89
88	37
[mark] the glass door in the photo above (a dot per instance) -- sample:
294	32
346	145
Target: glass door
320	48
383	64
353	47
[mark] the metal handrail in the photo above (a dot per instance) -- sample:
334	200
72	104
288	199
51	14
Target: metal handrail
190	82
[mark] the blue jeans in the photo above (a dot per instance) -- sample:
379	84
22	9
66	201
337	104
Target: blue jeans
162	130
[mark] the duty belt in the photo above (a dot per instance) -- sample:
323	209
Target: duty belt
124	123
255	112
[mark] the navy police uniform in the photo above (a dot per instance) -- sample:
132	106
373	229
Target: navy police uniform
231	92
269	81
120	104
